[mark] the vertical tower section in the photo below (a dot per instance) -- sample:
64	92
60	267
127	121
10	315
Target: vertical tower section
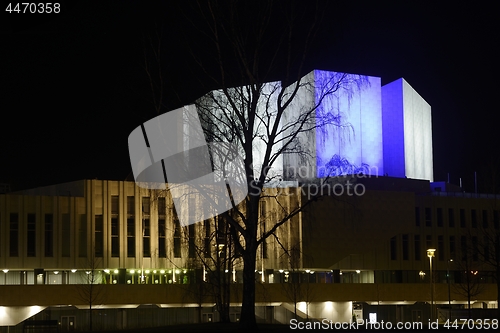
349	119
407	128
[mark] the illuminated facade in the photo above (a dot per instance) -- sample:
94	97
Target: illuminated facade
407	132
352	252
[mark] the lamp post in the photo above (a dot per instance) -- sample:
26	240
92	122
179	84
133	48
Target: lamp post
430	254
448	281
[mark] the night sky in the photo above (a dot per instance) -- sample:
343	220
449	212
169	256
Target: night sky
73	86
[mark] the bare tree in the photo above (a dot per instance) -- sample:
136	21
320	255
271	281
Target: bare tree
91	291
471	278
267	120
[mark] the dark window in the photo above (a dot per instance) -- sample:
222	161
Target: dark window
406	247
418	249
115	205
177	235
31	246
264	243
115	236
485	219
440	249
162	207
49	235
82	236
417	216
463	247
146	238
208	251
475	249
428	217
473	218
162	249
99	236
452	247
192	248
115	226
496	219
486	248
131	205
439	213
130	237
428	241
66	236
14	235
451	218
394	248
462	218
146	205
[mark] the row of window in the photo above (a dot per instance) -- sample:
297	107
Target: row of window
99	249
474	221
470	247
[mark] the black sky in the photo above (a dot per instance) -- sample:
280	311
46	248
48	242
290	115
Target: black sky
72	85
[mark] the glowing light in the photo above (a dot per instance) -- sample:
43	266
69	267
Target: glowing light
147	271
73	270
5	271
132	271
56	272
162	271
115	271
106	271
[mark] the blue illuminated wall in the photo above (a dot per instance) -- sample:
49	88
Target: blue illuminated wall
351	142
407	128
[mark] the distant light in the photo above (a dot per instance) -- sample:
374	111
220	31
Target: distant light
162	271
106	271
358	271
132	271
115	271
73	271
56	272
6	271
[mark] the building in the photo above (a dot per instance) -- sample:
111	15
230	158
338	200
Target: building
360	248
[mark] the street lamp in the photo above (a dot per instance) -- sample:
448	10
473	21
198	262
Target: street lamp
448	281
430	254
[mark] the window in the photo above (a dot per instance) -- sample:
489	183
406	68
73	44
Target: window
496	219
393	248
31	239
475	249
49	235
192	248
418	250
130	227
473	218
130	237
439	213
82	236
417	216
451	218
66	236
406	249
485	219
162	245
162	206
462	218
428	217
452	247
99	236
463	247
428	242
14	235
177	235
440	249
130	205
208	251
146	238
115	226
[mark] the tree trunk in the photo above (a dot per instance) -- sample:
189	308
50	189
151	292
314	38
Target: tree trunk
247	318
